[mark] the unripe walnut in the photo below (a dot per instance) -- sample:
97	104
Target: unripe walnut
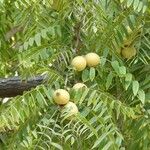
79	85
61	97
92	59
70	110
79	63
128	52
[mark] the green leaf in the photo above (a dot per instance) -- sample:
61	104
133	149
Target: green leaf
118	110
1	1
87	123
34	134
120	36
135	4
140	6
107	146
144	9
103	61
141	95
129	3
56	145
92	73
72	140
43	33
42	97
91	98
85	75
48	93
128	79
58	30
115	66
40	100
109	80
101	138
83	96
105	53
38	39
121	1
135	87
25	45
31	41
122	70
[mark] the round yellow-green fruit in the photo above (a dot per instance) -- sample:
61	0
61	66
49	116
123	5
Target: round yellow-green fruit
128	52
92	59
79	63
78	86
70	110
61	97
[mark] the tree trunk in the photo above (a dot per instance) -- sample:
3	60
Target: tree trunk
11	87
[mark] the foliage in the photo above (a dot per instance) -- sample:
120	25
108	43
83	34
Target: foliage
41	37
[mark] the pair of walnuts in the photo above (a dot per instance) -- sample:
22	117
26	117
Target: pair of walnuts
79	63
128	50
62	98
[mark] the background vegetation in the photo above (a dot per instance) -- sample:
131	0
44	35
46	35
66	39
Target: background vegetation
41	37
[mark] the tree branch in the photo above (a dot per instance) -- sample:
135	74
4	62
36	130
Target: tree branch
11	87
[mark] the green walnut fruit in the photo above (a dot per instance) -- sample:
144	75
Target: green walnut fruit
61	97
92	59
128	52
70	110
79	63
79	86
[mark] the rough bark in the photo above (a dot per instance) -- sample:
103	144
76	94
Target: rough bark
11	87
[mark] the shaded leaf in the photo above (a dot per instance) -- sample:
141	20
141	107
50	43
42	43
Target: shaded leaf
92	73
135	87
141	95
